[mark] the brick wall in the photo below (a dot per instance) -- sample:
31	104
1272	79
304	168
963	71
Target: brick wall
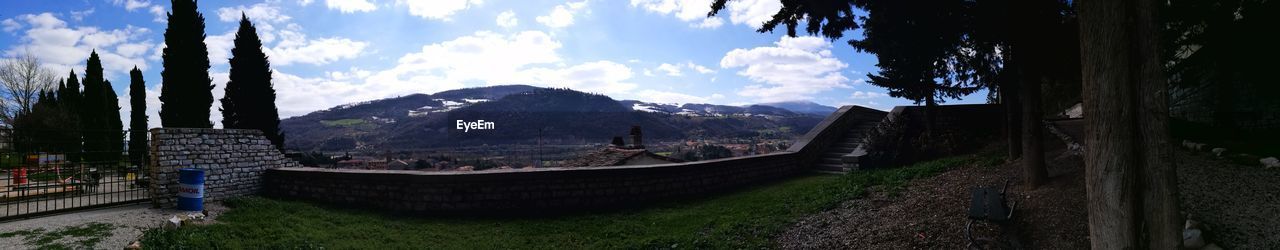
233	160
549	190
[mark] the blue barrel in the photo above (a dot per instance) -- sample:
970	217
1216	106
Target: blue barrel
191	189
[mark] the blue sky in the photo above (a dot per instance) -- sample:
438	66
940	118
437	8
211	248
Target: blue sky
331	52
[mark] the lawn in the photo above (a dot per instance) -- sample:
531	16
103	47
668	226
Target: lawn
85	236
743	219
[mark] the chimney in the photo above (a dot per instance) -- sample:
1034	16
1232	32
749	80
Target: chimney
635	137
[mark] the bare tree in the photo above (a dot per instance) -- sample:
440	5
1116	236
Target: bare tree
22	78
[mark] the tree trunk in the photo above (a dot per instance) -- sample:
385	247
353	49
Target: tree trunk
1129	177
1012	107
1034	172
1160	191
1028	49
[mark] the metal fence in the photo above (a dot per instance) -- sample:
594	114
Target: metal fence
49	171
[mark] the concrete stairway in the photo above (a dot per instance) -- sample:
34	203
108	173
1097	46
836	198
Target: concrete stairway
842	156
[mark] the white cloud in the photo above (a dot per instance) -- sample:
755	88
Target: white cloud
600	77
64	48
130	5
79	15
292	47
562	15
795	68
699	68
352	74
257	13
160	14
305	2
752	12
692	11
656	96
866	95
350	6
133	49
669	69
10	25
220	47
437	9
677	69
507	19
316	52
484	57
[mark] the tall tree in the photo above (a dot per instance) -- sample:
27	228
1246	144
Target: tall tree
186	94
250	99
137	118
69	97
113	130
1130	178
99	113
90	110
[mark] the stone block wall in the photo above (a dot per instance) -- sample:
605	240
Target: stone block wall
547	190
550	190
233	159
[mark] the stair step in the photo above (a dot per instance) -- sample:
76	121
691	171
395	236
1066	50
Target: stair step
828	172
847	144
835	155
830	167
836	161
841	149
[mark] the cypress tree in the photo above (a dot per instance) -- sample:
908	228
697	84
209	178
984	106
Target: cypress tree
100	115
68	105
137	118
250	99
186	93
89	108
113	130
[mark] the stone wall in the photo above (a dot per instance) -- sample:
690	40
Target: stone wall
549	190
233	160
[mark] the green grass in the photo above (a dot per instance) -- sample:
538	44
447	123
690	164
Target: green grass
86	236
744	219
342	123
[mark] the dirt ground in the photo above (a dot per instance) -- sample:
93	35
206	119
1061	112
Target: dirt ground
125	225
1237	203
931	213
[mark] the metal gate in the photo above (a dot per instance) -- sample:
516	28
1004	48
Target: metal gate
51	171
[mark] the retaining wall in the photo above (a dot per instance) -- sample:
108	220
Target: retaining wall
233	159
551	189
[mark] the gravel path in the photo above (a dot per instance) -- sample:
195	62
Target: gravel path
1240	204
127	222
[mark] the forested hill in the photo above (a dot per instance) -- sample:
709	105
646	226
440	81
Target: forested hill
520	114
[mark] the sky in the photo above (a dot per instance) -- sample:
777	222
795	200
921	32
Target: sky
326	53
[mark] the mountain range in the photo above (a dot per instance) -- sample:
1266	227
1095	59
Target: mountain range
521	114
